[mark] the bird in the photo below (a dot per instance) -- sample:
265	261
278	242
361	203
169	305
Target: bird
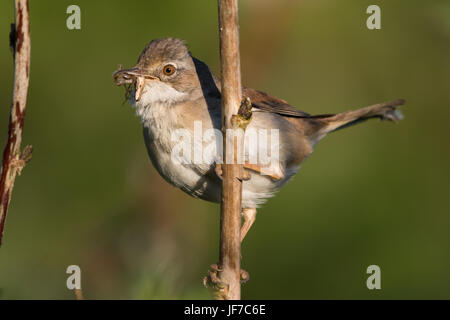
172	91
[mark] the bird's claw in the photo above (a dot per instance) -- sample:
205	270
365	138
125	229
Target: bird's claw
219	171
213	281
245	175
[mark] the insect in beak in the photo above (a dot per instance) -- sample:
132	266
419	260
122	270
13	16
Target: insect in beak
132	76
140	83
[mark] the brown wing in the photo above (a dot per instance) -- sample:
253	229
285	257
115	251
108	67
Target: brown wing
265	102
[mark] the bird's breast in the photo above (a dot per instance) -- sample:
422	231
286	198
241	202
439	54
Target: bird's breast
174	145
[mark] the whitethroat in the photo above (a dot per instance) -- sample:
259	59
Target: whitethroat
176	94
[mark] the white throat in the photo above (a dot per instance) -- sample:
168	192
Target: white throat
158	96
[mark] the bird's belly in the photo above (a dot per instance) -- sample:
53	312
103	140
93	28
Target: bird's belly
193	180
197	180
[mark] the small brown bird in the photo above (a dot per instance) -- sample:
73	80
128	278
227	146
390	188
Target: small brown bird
176	95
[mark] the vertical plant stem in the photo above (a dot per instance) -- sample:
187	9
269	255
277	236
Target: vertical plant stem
13	159
230	218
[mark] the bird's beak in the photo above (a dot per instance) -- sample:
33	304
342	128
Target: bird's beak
130	76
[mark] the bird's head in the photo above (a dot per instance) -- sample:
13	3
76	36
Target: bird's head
165	74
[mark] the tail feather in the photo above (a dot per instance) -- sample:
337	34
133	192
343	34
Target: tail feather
384	111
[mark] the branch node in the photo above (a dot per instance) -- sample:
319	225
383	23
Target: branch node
19	162
244	276
26	153
242	119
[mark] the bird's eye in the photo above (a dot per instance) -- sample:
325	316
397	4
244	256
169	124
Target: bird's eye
169	69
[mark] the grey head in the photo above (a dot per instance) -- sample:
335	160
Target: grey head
166	72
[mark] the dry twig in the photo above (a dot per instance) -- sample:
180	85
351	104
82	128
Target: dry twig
230	213
13	159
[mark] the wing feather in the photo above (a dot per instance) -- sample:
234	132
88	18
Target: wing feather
265	102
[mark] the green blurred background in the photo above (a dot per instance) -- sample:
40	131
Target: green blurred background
375	193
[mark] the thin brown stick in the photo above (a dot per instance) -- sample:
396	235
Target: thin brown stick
78	294
13	159
230	216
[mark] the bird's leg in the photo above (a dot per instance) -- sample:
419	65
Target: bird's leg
249	215
212	280
218	169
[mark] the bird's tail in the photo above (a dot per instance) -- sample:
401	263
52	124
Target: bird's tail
323	124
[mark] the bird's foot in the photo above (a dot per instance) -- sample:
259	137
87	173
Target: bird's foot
212	280
245	175
218	169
